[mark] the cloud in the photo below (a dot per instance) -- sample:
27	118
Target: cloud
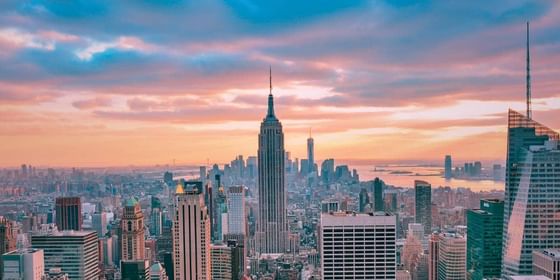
92	103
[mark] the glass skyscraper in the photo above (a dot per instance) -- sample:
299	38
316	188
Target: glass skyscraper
532	196
484	240
423	204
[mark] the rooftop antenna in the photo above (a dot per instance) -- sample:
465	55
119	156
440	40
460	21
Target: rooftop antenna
529	113
270	74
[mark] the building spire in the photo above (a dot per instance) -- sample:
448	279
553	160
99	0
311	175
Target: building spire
529	113
270	98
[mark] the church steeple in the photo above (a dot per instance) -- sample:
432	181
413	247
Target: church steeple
270	114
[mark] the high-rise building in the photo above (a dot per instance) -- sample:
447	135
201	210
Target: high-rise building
157	272
7	238
68	213
74	252
191	235
378	202
433	255
364	200
327	171
423	204
448	169
272	225
238	252
99	223
132	231
532	196
452	263
484	240
25	264
547	263
357	246
156	222
310	154
221	262
236	210
135	270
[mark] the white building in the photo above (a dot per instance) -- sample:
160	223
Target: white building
547	263
191	236
236	215
452	255
26	264
358	246
221	262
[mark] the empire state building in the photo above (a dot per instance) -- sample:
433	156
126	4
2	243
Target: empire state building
272	225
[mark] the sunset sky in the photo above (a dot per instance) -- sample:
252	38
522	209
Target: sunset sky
94	83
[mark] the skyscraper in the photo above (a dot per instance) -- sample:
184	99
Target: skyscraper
364	200
448	172
68	213
547	262
452	257
357	246
310	153
433	255
378	202
75	252
532	196
423	204
132	231
221	262
99	223
484	240
236	210
272	224
191	235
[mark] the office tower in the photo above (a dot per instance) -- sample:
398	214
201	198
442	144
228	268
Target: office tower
135	270
448	169
221	215
157	272
107	249
423	204
156	222
25	264
132	231
357	246
484	240
236	210
168	265
452	263
191	235
7	238
378	203
532	196
272	225
327	171
221	262
236	242
99	223
304	167
75	252
433	255
364	200
547	262
68	213
203	175
310	154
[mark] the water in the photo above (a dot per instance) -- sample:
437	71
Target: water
404	176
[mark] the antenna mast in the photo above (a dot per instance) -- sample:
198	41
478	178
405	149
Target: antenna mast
529	113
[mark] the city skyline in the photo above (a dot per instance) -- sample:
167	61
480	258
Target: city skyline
139	93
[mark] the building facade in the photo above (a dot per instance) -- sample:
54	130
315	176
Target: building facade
68	212
357	246
452	263
25	264
132	232
547	263
221	262
236	210
484	240
191	236
74	252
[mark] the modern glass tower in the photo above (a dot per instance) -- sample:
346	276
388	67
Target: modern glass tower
532	196
310	153
484	240
423	204
272	225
